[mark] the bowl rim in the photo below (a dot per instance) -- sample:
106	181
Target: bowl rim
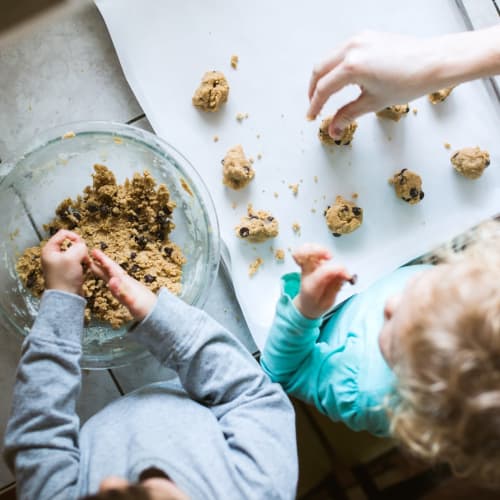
159	146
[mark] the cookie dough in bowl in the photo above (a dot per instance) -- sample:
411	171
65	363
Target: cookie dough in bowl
57	166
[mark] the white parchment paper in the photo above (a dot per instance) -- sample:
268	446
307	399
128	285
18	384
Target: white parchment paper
166	46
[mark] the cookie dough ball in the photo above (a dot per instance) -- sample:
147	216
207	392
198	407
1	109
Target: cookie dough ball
394	113
408	186
439	95
237	170
257	226
470	162
343	216
344	140
212	92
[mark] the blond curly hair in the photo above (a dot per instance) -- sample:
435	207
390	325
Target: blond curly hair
446	407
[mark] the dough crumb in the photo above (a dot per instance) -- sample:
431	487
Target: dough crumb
408	186
394	113
344	140
276	195
439	95
415	111
296	228
343	216
251	160
354	196
212	92
131	222
313	210
234	205
254	266
447	145
117	140
241	116
234	61
259	156
470	162
237	170
279	255
257	226
316	179
294	188
216	138
69	135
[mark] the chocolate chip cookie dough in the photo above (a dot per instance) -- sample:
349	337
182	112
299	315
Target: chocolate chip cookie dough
131	223
212	92
439	95
408	186
237	170
394	113
343	216
344	140
470	162
257	226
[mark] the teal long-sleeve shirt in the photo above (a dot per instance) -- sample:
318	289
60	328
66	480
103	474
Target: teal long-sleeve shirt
336	364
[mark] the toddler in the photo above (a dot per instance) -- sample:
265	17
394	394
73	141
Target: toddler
416	356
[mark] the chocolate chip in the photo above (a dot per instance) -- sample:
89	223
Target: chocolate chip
92	208
356	210
246	169
103	245
487	163
75	213
345	208
270	218
222	161
244	232
407	109
104	210
337	235
168	251
142	241
338	143
421	196
30	281
132	218
134	269
149	279
124	265
413	192
133	255
52	230
166	210
160	235
347	143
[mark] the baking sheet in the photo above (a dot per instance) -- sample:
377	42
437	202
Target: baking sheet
165	47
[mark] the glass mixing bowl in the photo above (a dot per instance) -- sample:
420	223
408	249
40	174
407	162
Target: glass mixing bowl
58	164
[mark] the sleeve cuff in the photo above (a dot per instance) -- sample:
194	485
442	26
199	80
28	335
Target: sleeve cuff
168	325
290	287
60	317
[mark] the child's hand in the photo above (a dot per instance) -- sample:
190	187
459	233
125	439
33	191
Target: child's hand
321	281
136	297
62	269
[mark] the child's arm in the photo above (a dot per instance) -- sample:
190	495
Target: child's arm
291	355
254	415
41	441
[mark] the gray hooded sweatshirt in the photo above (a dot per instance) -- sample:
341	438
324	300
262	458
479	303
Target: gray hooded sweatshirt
221	431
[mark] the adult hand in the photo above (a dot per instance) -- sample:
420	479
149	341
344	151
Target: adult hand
321	280
389	69
136	297
62	267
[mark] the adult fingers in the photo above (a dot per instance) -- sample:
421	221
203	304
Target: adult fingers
324	67
348	113
332	82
